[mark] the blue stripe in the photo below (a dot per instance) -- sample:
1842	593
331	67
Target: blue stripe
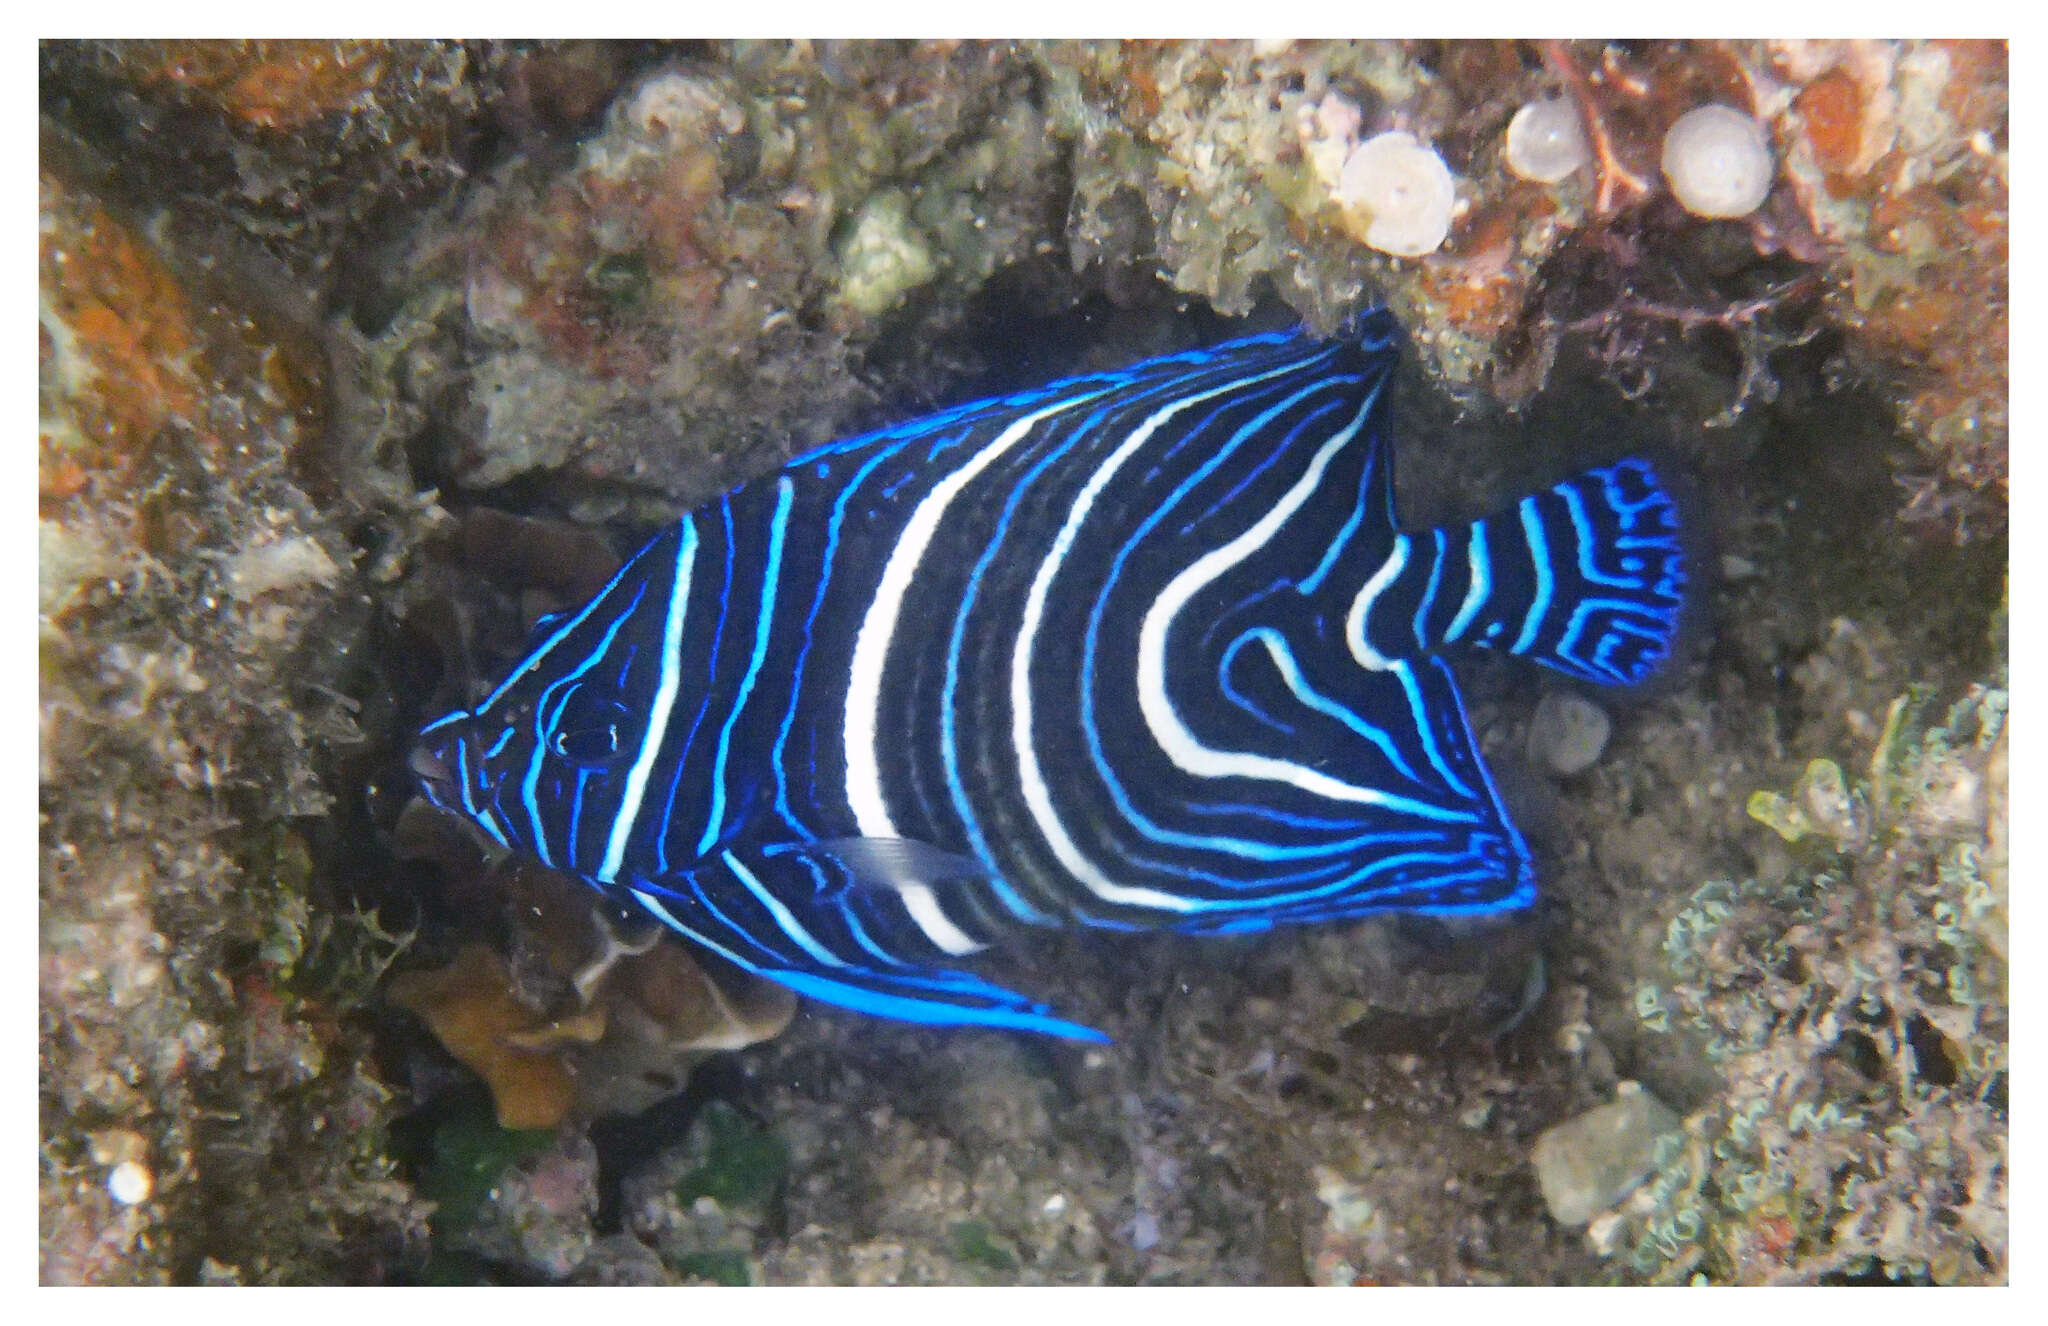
784	918
930	1012
1314	582
1436	571
679	763
1421	711
796	686
561	633
764	619
1290	672
543	725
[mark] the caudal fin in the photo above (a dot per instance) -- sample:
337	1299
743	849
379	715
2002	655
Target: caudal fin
1587	577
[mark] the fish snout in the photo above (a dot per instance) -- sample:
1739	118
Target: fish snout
434	761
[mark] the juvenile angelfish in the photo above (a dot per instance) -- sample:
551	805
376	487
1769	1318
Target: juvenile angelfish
1143	649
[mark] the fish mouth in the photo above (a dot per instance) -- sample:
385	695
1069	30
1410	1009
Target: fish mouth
436	777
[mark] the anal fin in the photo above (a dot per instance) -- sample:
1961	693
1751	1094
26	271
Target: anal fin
829	921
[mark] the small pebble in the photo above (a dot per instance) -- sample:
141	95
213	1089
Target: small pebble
1567	733
1587	1164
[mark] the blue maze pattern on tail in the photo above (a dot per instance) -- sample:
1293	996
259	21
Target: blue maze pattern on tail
1587	577
1610	574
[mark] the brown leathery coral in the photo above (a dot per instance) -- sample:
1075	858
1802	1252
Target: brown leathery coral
581	1018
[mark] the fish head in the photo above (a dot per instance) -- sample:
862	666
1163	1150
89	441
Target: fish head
545	763
459	762
522	765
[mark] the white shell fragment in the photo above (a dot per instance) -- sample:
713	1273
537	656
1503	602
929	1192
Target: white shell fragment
1546	142
1718	162
1403	192
1567	733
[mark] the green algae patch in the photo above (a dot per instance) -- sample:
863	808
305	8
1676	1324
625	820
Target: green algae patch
471	1153
723	1268
744	1165
974	1241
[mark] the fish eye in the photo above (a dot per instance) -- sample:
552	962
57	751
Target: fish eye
588	745
587	733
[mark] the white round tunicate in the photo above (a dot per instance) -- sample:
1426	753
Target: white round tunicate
1546	142
129	1183
1718	162
1404	192
1567	732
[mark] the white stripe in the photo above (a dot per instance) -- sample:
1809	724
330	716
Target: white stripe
924	909
1181	745
1480	585
1539	558
657	715
1354	623
1037	796
871	646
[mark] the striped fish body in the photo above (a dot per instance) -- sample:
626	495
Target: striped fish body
1142	649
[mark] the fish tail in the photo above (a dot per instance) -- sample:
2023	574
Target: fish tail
1587	577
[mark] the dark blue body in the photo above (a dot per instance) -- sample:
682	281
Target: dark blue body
1144	649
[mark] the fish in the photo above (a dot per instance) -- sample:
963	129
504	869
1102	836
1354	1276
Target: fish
1138	650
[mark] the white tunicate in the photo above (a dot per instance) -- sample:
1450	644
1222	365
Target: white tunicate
1404	192
129	1183
1718	162
1546	142
1567	732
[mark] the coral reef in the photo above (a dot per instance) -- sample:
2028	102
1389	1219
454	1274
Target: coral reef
199	1056
1863	1130
683	302
300	147
357	357
1898	158
1892	195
